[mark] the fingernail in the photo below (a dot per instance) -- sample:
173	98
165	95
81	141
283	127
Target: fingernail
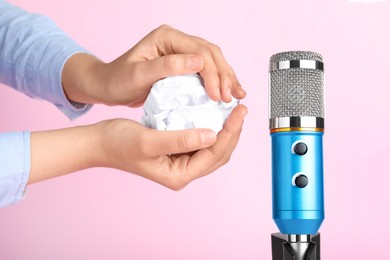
245	112
217	95
194	62
208	137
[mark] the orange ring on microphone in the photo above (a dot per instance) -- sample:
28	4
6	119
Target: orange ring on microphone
290	129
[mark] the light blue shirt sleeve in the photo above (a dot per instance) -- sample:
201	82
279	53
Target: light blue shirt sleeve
33	51
14	166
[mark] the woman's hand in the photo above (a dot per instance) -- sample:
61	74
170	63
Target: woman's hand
163	52
171	158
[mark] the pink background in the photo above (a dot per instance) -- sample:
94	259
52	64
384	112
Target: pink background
106	214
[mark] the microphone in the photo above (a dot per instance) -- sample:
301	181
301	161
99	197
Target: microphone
296	122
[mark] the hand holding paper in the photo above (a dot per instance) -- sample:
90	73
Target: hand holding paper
162	53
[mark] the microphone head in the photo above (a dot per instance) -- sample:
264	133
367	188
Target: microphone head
296	86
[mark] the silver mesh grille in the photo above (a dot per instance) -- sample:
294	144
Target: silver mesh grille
296	92
296	55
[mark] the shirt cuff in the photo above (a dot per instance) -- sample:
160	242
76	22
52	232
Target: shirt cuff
14	166
52	81
70	108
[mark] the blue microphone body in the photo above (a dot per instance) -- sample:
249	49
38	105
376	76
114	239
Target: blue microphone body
297	209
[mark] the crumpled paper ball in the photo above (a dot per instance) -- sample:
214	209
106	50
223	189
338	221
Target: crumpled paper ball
181	102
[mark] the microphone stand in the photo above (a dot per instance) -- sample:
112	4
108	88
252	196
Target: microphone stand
295	247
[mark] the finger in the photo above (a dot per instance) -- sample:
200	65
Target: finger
176	41
224	72
178	142
211	81
207	160
226	91
149	72
229	82
225	75
236	88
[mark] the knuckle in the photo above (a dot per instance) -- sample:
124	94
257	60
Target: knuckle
184	142
204	51
177	184
225	158
164	27
226	80
160	33
163	31
170	65
215	48
230	72
176	187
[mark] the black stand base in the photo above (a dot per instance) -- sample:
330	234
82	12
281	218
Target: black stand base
285	248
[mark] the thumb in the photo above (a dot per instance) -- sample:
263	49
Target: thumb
169	65
181	141
177	64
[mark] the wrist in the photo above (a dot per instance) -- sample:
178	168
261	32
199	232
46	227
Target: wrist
81	79
103	154
112	143
99	145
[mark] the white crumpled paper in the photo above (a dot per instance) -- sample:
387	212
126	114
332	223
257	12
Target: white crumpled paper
180	102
